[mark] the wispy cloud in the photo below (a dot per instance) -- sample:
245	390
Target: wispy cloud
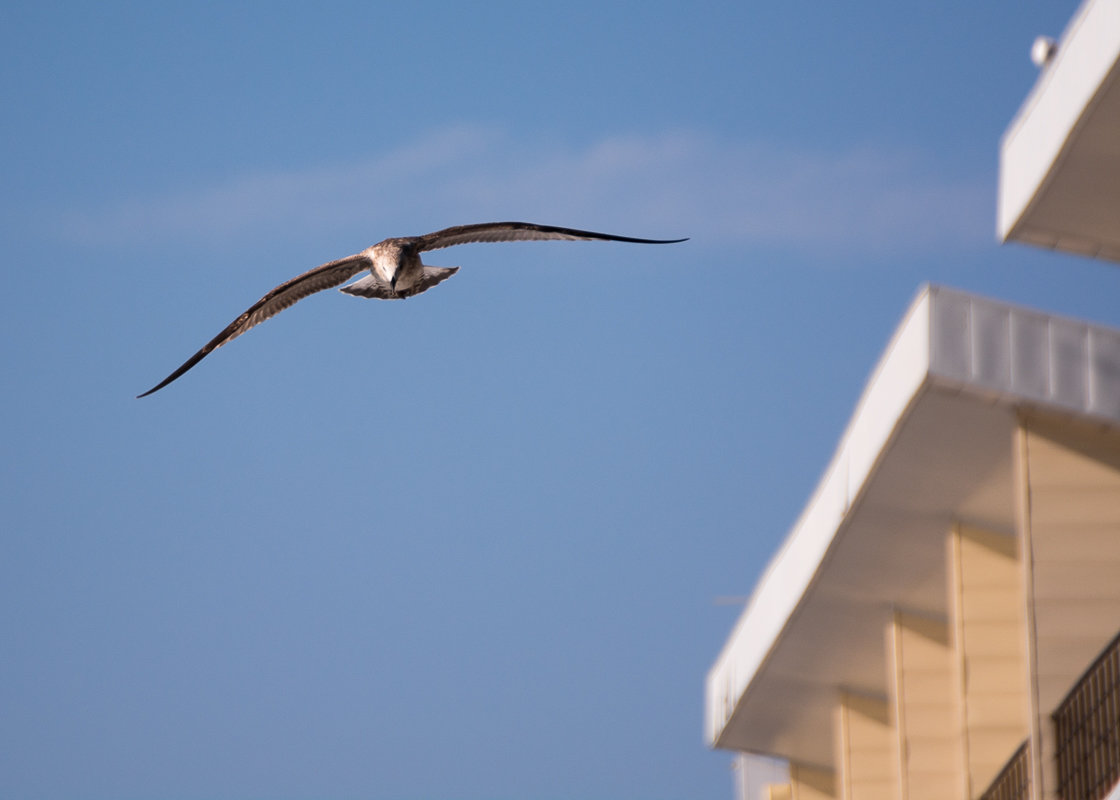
683	183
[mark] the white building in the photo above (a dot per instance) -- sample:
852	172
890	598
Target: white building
943	620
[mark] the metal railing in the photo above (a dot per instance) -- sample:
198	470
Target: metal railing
1014	780
1087	731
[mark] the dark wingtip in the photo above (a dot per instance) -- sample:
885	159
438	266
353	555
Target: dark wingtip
174	375
150	391
179	372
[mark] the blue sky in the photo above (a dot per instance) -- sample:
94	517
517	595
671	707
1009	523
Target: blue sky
468	545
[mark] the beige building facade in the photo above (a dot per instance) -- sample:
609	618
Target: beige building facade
943	619
953	587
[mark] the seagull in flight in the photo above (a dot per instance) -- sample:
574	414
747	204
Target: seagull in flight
395	272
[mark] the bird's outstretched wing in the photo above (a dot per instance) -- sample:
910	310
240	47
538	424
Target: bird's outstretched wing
325	276
516	232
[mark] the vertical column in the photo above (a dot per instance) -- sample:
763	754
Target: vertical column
986	605
923	699
1068	477
811	784
805	783
868	767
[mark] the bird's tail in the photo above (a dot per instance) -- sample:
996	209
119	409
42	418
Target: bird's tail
431	276
373	286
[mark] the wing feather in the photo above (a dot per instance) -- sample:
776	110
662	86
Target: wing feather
516	232
325	276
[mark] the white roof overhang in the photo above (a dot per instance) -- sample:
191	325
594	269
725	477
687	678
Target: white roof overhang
929	444
1059	183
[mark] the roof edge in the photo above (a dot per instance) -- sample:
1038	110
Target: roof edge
890	390
1040	133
